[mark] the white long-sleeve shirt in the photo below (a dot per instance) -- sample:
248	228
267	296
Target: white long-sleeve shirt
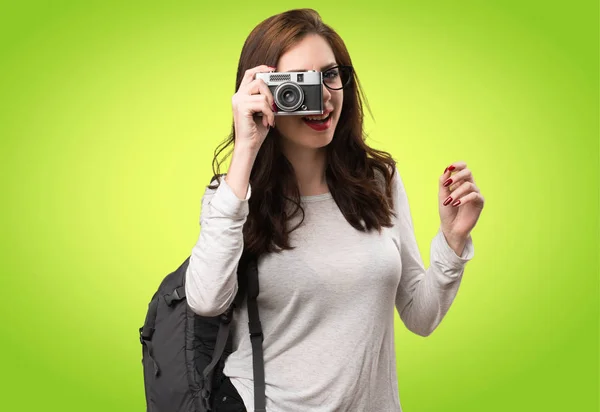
326	307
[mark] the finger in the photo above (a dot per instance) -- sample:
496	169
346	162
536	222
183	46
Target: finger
456	184
258	86
464	188
451	183
454	167
474	198
463	175
257	104
250	73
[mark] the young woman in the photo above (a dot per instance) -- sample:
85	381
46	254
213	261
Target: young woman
329	219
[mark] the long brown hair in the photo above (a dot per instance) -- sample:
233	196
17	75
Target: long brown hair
354	171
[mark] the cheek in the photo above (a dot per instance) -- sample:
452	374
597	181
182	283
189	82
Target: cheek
286	124
283	121
337	101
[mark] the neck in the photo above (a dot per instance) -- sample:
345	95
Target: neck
309	166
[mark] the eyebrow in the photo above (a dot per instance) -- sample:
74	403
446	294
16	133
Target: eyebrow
328	66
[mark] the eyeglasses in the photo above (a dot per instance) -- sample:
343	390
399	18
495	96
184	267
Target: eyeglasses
338	77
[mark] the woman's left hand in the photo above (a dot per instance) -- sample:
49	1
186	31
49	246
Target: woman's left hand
460	204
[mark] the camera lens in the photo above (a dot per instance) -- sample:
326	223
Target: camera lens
289	96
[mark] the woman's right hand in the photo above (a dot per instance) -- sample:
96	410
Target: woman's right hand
253	96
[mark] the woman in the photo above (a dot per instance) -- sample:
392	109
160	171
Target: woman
330	221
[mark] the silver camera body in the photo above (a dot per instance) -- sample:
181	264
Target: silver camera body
295	93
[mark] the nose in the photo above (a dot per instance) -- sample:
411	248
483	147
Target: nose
326	95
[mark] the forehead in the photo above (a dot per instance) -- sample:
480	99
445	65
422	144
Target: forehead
311	53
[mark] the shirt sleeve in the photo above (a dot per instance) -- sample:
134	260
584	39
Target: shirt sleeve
211	276
425	295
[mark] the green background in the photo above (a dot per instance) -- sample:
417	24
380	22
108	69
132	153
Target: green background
110	115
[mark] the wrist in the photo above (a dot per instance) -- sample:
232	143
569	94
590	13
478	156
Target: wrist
456	242
238	175
245	150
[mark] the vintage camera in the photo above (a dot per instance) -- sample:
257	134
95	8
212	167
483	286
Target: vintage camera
295	93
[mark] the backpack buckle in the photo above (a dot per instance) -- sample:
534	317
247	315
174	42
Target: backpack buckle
205	395
177	295
256	330
146	333
227	315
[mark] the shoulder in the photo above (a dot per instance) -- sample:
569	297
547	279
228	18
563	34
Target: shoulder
397	192
384	178
392	182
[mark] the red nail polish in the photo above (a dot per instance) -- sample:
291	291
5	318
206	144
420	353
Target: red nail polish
274	107
447	182
451	168
456	203
448	200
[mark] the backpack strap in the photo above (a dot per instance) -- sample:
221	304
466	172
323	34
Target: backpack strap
225	318
256	337
244	276
247	282
220	343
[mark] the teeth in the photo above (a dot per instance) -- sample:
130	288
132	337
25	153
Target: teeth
322	117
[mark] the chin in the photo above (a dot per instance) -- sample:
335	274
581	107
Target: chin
311	140
315	141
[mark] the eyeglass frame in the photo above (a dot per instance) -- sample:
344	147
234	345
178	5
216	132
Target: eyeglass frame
351	72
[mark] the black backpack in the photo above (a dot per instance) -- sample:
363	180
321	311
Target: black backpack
183	354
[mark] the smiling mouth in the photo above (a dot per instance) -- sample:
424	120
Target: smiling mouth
317	119
318	123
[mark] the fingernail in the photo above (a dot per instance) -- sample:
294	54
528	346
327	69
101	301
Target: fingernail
447	182
456	203
274	107
448	200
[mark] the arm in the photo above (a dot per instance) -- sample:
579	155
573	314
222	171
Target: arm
211	277
424	296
